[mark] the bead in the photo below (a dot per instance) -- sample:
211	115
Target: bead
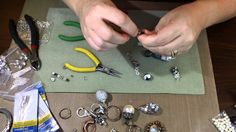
101	96
128	112
147	76
150	108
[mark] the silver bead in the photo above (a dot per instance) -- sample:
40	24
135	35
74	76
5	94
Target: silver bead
147	76
128	112
101	96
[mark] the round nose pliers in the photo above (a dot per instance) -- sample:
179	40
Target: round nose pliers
33	53
98	65
71	38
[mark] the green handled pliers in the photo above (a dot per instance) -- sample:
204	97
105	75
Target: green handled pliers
71	38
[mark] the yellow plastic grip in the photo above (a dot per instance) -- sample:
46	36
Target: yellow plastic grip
84	69
80	69
89	54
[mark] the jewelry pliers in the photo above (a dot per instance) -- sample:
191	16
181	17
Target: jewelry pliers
98	65
71	38
33	53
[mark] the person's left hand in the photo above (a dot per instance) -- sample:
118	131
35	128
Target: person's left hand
176	31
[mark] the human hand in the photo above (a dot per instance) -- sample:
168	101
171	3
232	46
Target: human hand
175	33
97	18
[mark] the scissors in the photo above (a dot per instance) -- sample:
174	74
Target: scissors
33	53
98	65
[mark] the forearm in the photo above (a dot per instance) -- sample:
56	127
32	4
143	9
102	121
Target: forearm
215	11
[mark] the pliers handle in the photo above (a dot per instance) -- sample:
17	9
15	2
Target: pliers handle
84	69
71	38
33	53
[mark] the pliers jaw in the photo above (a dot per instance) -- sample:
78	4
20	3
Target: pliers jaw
107	70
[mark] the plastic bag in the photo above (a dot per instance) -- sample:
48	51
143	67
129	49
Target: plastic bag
44	27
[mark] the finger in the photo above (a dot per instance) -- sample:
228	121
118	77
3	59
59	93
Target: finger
167	49
93	45
108	34
120	19
96	39
160	38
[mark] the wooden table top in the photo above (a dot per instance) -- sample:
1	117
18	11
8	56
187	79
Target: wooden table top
181	113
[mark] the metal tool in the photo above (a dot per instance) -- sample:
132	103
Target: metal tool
33	53
98	65
71	38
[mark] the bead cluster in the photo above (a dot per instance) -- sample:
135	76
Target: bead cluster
222	123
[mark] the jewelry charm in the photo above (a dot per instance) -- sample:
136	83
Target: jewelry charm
155	126
150	108
101	96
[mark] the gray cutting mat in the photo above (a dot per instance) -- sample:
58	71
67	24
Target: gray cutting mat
57	52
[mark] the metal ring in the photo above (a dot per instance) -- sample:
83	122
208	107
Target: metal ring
68	113
84	114
9	119
89	123
118	110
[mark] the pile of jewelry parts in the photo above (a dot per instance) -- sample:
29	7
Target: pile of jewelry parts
222	123
100	112
43	26
136	65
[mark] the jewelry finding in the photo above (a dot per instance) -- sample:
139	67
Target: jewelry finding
9	119
148	53
55	76
113	130
150	108
101	96
65	113
147	77
117	112
175	72
128	114
155	126
89	123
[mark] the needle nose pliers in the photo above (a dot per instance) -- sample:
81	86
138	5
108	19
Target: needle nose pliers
98	65
71	38
33	53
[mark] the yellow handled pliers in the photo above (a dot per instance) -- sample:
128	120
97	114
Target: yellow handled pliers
98	65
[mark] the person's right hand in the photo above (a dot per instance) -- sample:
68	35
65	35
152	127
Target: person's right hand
94	18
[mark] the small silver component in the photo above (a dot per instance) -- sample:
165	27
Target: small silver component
113	130
147	77
150	108
53	79
128	112
175	72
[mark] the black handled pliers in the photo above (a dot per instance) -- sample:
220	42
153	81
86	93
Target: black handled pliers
33	53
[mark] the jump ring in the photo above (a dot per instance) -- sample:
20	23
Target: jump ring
67	115
118	111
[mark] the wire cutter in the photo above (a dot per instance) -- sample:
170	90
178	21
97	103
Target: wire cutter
33	53
71	38
98	65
